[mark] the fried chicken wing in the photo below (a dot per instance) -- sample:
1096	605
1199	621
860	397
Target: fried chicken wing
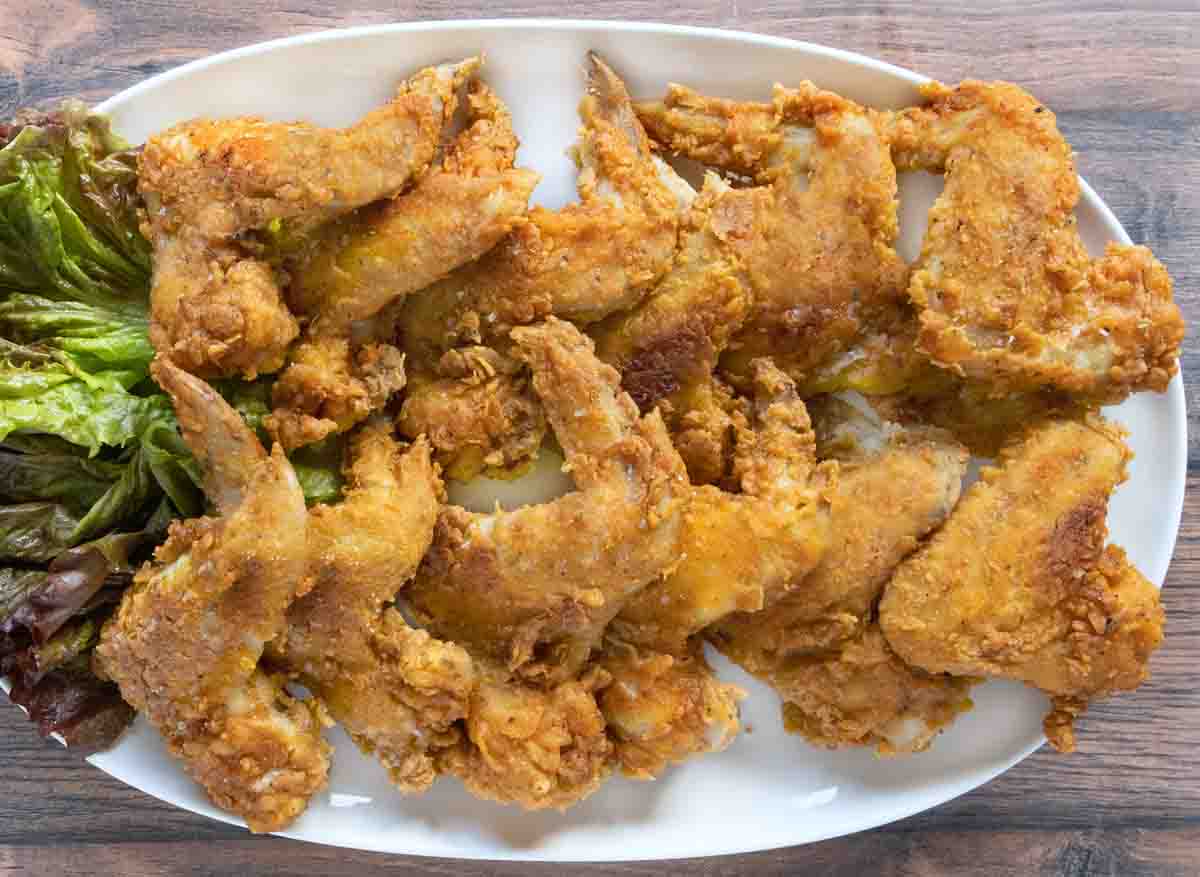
819	646
215	309
582	262
479	411
396	691
1005	290
185	642
974	414
826	270
380	254
540	748
667	348
705	418
663	709
533	588
452	216
861	694
330	384
739	552
1018	583
895	485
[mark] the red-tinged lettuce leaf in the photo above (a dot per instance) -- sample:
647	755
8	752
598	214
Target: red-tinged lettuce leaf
51	622
32	663
100	183
73	702
73	581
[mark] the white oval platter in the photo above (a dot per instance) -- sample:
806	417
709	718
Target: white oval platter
769	789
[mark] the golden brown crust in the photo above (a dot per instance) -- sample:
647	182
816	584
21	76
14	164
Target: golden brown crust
667	348
330	385
1059	723
861	694
741	551
823	269
479	412
886	501
1005	290
565	640
373	259
215	309
454	214
976	416
222	176
1038	599
673	338
728	134
184	644
397	691
817	645
537	748
582	262
664	709
533	588
704	420
263	763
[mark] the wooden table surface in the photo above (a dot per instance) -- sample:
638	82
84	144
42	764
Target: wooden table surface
1124	79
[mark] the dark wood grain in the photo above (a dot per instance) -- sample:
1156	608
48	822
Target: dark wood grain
1125	81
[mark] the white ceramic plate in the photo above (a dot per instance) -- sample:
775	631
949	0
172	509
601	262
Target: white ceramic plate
769	789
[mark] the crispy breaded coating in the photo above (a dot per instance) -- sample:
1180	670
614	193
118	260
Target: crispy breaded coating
1004	288
825	270
861	694
397	691
819	646
207	181
330	385
533	588
740	551
664	709
479	412
371	260
214	311
185	642
540	748
223	176
582	262
705	419
453	215
673	338
895	485
667	348
1018	583
1091	658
